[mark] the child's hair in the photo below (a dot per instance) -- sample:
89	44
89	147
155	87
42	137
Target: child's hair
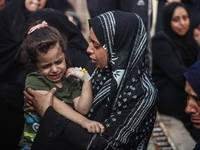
41	40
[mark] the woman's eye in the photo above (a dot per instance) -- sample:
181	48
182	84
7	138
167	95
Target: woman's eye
96	47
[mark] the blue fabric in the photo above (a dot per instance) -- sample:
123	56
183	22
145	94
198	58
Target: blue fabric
26	148
193	77
197	146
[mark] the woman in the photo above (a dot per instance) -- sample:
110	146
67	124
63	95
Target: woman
124	97
174	51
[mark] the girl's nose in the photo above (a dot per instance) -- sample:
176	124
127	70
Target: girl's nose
54	68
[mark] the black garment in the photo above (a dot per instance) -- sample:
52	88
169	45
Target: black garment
124	96
76	44
13	23
140	7
12	29
172	56
65	135
193	7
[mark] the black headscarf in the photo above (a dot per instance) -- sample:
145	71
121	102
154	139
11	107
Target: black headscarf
124	87
76	45
188	48
13	19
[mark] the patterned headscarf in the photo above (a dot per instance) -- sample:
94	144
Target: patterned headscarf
123	86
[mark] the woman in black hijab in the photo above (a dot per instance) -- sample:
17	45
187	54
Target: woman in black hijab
174	51
124	96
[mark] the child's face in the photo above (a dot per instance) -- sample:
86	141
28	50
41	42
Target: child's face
52	65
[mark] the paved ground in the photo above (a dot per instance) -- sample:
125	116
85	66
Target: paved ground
170	134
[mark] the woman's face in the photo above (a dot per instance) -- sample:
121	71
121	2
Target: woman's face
180	21
96	51
193	105
52	64
33	5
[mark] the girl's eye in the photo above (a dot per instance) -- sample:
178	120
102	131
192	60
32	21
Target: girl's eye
45	67
59	61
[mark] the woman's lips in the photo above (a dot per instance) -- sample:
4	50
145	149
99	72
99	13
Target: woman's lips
94	61
195	121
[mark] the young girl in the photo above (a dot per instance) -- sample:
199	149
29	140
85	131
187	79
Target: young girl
45	49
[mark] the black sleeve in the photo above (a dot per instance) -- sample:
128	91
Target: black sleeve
52	123
57	132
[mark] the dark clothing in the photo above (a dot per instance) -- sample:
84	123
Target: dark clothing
197	146
140	7
193	7
12	28
172	56
57	132
168	67
124	96
13	23
76	43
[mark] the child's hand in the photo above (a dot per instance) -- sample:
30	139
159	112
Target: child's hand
93	126
78	73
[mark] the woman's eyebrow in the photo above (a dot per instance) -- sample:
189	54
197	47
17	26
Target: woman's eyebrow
93	41
196	97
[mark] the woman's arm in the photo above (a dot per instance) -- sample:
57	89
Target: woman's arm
82	103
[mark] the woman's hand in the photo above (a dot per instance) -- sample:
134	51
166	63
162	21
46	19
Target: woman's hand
93	126
39	102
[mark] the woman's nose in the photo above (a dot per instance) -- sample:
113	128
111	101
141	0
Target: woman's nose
89	49
190	108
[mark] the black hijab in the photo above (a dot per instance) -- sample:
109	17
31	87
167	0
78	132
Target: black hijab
13	20
186	44
123	87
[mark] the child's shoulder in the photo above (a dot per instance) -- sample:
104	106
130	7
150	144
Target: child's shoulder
34	75
37	81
